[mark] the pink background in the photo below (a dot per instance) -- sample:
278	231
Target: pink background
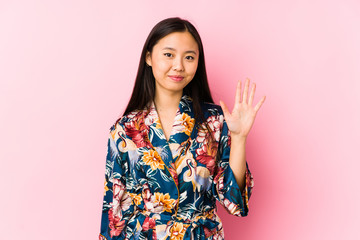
67	70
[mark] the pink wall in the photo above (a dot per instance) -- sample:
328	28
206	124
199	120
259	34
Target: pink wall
67	70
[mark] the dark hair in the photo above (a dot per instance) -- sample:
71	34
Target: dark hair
144	87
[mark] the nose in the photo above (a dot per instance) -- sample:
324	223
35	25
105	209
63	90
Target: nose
178	64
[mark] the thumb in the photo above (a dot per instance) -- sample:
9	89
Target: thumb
225	109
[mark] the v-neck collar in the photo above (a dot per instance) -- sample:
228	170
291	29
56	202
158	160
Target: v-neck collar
182	128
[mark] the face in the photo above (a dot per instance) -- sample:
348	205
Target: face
174	60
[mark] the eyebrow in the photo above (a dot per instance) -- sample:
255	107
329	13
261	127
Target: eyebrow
170	48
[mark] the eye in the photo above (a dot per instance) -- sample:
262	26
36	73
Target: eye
168	54
190	58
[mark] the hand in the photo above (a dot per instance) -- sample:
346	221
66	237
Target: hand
243	114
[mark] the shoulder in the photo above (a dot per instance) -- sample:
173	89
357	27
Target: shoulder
120	123
211	109
214	118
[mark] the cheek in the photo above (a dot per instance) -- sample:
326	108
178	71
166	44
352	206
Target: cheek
160	67
193	69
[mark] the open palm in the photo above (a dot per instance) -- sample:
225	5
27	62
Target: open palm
242	117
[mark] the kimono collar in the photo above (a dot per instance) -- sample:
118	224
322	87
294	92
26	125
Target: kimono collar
184	120
182	129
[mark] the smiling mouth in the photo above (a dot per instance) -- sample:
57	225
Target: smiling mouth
176	78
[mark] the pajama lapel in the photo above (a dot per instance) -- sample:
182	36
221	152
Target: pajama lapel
180	135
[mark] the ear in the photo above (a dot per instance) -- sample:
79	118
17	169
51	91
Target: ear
148	58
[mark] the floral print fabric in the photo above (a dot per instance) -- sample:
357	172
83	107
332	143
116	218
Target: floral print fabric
159	189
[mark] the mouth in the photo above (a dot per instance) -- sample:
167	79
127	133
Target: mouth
176	78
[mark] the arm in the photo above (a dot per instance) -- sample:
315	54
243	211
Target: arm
240	122
237	159
117	204
227	190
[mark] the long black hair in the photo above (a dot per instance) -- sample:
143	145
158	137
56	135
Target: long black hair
144	88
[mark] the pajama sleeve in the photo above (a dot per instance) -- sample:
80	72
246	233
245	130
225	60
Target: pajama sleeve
225	187
117	204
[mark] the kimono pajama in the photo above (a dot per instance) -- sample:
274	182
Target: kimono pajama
159	189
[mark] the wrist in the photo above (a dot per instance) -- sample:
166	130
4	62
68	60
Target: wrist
237	137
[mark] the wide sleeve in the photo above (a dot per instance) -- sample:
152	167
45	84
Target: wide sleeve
225	188
117	204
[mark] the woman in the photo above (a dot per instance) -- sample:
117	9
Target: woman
169	157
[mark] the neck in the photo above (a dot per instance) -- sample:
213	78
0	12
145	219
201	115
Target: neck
167	101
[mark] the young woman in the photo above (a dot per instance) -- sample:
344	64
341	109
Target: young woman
169	157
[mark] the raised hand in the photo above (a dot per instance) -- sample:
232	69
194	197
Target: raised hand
242	117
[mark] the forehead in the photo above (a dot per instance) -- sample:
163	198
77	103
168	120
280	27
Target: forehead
179	41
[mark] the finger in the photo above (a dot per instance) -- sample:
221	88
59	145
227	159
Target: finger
238	93
246	89
258	105
225	109
252	93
